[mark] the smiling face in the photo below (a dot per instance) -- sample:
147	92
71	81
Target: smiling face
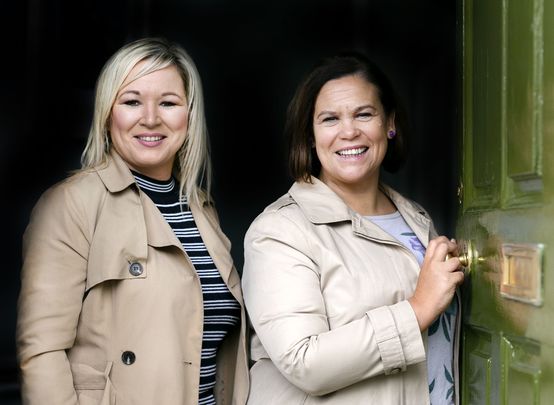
350	131
149	121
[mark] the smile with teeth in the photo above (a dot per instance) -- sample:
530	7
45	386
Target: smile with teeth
352	152
150	138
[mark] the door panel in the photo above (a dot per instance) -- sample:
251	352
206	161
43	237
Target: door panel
521	371
506	220
523	44
483	110
479	387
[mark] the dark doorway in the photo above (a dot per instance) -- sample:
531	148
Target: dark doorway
251	55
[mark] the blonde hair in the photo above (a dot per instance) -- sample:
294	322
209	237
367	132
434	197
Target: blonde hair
192	163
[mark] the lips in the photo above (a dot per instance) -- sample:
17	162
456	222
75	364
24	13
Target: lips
150	138
352	151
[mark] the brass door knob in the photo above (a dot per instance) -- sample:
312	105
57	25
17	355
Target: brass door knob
464	260
468	255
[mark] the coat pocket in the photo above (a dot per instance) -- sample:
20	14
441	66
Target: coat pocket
93	387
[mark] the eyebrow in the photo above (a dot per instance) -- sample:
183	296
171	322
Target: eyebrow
136	92
359	108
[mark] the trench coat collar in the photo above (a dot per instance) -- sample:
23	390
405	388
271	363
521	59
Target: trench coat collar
414	215
117	177
321	205
115	174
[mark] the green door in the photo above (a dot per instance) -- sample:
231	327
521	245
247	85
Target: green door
506	195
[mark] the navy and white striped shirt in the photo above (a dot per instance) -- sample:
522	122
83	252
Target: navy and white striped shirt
221	310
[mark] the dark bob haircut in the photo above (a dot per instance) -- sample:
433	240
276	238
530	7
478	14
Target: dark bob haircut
302	158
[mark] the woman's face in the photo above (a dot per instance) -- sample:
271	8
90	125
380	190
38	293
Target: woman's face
350	130
149	121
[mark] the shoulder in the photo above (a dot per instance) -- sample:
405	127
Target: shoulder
74	201
81	188
282	219
283	204
284	207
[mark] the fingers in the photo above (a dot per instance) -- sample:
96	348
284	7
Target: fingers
453	264
440	247
458	277
435	243
455	252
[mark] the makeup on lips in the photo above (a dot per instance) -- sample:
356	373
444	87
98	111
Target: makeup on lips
150	140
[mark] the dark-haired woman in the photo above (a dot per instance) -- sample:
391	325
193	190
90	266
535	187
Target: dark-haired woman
344	278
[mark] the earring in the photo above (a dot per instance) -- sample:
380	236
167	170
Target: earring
392	134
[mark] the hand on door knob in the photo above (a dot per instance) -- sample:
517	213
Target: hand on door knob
464	259
468	256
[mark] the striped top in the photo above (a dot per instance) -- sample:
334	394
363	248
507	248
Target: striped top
221	310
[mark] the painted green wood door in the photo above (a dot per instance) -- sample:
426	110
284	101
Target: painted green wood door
507	201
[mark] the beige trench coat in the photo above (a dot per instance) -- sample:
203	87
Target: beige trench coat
326	291
111	309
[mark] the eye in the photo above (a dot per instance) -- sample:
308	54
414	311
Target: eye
167	104
131	103
364	116
330	119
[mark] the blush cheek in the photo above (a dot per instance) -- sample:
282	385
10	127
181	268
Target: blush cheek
177	122
122	121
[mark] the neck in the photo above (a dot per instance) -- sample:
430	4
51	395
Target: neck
366	199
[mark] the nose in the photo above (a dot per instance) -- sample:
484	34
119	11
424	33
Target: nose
349	129
150	117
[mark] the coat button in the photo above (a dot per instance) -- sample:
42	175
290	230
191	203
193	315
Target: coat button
135	269
128	358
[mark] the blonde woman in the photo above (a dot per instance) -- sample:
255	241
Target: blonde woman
129	294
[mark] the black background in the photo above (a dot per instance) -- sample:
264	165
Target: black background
251	55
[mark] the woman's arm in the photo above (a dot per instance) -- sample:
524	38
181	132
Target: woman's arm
55	250
282	291
437	281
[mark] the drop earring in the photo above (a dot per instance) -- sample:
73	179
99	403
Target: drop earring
391	134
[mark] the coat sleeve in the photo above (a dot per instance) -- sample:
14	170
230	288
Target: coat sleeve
55	250
282	291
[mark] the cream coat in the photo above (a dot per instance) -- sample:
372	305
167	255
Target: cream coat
326	291
81	308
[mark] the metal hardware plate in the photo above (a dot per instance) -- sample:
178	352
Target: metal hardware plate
522	272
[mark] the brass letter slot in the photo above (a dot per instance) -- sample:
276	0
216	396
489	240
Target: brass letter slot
522	272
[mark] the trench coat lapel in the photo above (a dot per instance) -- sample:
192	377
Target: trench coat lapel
322	206
116	176
159	232
217	244
415	216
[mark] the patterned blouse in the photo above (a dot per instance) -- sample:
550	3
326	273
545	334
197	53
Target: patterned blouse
440	342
